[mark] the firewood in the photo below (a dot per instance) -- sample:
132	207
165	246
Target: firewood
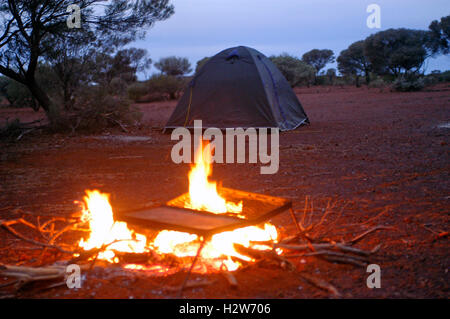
335	254
345	260
320	283
361	236
320	246
252	253
27	275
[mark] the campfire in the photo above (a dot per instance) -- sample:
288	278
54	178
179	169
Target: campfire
209	229
219	251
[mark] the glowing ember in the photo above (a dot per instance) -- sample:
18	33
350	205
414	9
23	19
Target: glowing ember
104	230
218	251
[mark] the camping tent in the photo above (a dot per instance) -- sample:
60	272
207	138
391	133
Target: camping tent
239	87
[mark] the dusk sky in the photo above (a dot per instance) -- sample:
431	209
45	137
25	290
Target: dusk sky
202	28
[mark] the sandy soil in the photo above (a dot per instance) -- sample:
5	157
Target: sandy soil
366	151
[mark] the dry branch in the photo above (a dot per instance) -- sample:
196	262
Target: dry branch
5	225
359	237
320	283
27	275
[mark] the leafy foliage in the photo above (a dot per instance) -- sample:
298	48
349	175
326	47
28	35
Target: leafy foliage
318	58
30	28
173	66
96	110
294	70
396	51
353	61
440	36
408	83
137	90
166	84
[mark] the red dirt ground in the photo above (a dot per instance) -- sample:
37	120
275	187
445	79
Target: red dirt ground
367	151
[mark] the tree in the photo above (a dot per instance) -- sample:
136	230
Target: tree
331	75
352	61
71	60
397	51
173	65
294	70
139	59
28	28
201	63
440	36
318	58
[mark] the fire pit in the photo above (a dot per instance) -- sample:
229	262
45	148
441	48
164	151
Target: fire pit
175	216
207	223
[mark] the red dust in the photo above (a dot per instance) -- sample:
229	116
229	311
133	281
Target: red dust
374	153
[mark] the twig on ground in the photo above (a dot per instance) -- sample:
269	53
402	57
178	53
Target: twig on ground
5	225
320	283
359	237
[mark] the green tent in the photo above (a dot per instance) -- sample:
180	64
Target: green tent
239	87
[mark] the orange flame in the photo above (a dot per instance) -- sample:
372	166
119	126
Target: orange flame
203	195
218	252
105	231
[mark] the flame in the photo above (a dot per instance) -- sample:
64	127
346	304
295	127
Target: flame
203	195
105	231
202	192
218	253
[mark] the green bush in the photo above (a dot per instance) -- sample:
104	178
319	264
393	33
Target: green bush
166	84
408	83
294	70
18	95
377	83
437	76
137	90
444	76
96	110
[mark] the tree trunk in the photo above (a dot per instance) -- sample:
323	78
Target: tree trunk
40	95
357	81
367	77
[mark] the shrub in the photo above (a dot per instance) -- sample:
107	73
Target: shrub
294	70
173	65
166	84
408	83
444	76
377	83
19	95
95	110
437	76
137	90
